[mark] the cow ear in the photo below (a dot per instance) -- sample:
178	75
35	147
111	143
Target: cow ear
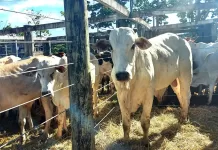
142	43
60	69
30	72
100	62
135	30
103	44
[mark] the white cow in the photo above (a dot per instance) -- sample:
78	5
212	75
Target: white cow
143	67
61	97
205	72
8	60
18	87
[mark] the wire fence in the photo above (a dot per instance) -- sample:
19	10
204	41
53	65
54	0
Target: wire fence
29	14
36	41
37	127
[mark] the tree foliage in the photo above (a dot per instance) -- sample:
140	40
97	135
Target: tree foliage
146	6
34	18
58	48
192	16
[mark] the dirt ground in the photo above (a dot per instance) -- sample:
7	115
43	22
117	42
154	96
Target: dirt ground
165	132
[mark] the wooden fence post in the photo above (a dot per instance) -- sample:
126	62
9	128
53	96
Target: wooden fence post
28	47
6	50
81	111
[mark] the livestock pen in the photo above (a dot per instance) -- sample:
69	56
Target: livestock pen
105	132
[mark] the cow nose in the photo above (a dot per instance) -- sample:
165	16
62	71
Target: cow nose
47	93
122	76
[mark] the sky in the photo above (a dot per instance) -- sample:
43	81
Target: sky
49	8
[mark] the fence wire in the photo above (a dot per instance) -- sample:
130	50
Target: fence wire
30	42
45	94
35	128
18	12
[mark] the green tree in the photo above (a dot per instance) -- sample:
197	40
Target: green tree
146	6
192	16
100	11
35	18
8	26
58	48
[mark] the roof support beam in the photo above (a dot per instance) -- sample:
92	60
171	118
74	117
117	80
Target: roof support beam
115	6
199	6
62	24
112	4
184	25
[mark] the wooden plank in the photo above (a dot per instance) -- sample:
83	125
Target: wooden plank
62	24
199	6
115	6
112	4
28	47
141	22
81	110
184	25
33	28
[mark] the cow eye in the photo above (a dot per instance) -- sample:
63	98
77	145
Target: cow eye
52	76
133	47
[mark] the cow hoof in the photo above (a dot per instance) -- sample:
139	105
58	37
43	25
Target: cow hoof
126	138
22	140
96	115
66	132
183	120
34	132
19	147
208	103
44	137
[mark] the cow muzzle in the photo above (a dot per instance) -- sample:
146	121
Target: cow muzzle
122	76
47	93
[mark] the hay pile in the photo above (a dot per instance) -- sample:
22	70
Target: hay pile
165	133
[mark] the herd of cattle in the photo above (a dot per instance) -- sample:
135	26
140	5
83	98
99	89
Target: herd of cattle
139	68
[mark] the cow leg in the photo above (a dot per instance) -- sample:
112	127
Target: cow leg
145	117
200	90
22	122
108	86
211	89
95	102
122	97
102	85
61	120
181	87
48	108
29	117
65	123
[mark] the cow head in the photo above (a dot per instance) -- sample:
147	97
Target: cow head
125	47
45	69
105	62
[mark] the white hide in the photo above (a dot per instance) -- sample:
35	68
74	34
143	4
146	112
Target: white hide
167	61
207	74
204	56
48	71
